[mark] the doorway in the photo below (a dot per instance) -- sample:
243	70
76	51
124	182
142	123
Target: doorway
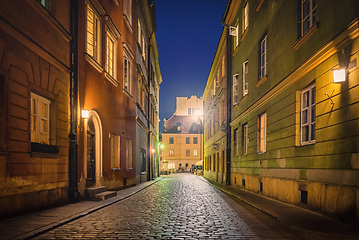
91	155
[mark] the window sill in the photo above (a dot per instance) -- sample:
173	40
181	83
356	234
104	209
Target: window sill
244	34
111	79
244	97
306	36
128	24
128	169
127	93
259	5
307	143
262	152
261	81
143	173
44	155
94	63
115	169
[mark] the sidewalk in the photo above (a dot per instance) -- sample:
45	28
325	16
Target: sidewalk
289	215
30	225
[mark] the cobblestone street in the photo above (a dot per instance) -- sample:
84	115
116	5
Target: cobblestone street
181	206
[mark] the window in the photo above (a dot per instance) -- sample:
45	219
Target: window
262	133
128	153
188	140
189	111
171	140
143	160
235	89
193	111
195	152
245	16
235	142
245	139
46	4
112	34
93	33
188	152
195	140
171	152
141	40
40	119
127	10
115	152
308	115
308	12
245	78
223	68
263	57
233	31
126	73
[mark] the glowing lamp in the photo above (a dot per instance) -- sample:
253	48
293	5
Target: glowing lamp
153	150
162	146
85	114
339	75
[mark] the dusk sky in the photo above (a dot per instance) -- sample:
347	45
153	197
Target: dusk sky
188	33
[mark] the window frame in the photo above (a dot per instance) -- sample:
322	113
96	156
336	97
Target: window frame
245	78
235	142
262	133
36	114
171	152
112	35
263	57
188	152
310	121
245	138
310	16
195	140
188	140
245	16
235	89
115	152
195	152
96	33
171	140
129	147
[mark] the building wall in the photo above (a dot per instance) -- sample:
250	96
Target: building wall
179	148
33	60
323	175
183	103
215	112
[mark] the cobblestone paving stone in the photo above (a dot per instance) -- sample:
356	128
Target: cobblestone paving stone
178	207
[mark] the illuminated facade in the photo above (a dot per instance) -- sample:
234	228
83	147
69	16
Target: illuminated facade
182	136
148	79
293	128
215	115
34	104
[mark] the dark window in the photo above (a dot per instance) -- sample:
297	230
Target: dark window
143	160
188	140
303	196
261	187
171	140
243	183
195	140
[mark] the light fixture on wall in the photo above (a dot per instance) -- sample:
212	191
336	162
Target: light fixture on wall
85	114
339	75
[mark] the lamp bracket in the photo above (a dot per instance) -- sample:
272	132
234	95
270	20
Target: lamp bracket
330	98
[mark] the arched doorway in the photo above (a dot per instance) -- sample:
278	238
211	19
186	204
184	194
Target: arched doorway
93	149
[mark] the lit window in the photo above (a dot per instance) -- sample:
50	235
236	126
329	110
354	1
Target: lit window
245	78
262	133
171	152
308	115
188	140
171	140
115	151
235	89
263	59
309	8
110	63
112	34
93	33
128	153
40	119
245	16
195	152
127	58
245	139
188	152
235	142
195	140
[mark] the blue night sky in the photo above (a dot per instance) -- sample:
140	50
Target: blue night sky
188	33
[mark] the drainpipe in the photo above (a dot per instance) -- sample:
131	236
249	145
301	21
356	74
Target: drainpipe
229	104
148	109
74	94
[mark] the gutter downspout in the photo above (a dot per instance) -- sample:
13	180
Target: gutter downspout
229	104
74	94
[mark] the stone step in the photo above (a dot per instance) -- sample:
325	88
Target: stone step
104	195
91	191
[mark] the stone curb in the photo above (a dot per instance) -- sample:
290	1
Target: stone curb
72	218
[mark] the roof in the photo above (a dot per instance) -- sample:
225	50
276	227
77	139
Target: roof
183	124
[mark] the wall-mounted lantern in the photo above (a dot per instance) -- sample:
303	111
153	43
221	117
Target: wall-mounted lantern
339	75
85	114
